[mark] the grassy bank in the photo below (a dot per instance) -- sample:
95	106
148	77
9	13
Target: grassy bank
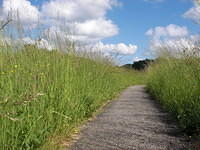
176	84
46	94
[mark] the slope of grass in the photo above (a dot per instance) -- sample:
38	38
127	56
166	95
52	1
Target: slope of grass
176	84
48	93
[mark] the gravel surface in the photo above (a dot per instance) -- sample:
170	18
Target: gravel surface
133	122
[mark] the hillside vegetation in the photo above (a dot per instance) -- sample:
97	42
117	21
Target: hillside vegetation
45	95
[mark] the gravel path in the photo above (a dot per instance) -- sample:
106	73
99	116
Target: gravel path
132	122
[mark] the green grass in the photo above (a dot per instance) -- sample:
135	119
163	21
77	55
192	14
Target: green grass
46	94
176	84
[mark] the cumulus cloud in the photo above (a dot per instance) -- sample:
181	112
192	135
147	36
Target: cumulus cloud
86	22
193	14
97	29
108	49
44	44
77	10
85	19
81	21
89	31
27	13
54	32
41	43
171	30
120	48
28	40
172	39
175	44
175	47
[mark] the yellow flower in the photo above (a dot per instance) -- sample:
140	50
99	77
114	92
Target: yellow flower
15	66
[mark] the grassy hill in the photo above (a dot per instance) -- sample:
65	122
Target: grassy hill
45	95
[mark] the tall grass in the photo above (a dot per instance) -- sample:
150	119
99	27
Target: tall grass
175	82
44	94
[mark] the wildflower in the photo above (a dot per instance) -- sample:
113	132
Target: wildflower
16	66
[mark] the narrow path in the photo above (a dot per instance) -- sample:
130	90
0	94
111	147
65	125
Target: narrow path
132	122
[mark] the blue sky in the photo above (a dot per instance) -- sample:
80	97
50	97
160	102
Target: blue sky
137	16
115	25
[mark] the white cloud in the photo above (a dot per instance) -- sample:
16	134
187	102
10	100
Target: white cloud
77	10
193	13
172	39
176	31
120	48
175	47
28	13
150	32
171	30
28	40
135	59
88	31
77	20
53	33
98	29
87	41
44	44
86	23
107	49
85	20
